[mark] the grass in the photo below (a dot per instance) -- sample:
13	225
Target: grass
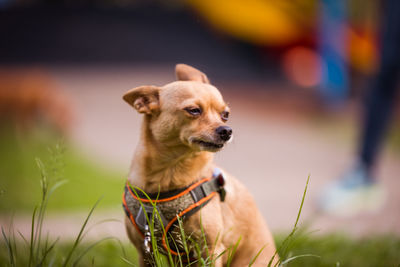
333	249
38	249
105	254
19	175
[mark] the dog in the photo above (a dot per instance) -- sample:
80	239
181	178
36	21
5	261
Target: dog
184	124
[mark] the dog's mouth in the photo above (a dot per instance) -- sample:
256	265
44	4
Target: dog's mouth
208	145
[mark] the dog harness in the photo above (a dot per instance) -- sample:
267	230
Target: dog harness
168	206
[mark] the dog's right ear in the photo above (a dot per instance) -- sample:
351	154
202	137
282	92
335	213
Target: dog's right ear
145	99
188	73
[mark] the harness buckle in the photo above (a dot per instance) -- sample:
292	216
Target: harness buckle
141	218
221	190
220	181
147	240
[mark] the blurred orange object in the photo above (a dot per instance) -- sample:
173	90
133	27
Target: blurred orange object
362	50
302	66
29	98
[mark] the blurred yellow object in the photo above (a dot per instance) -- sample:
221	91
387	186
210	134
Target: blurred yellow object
272	22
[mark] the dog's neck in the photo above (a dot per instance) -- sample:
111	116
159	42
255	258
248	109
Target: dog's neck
159	167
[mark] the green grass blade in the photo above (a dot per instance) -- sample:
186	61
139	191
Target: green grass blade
56	186
47	251
78	239
89	248
298	256
23	238
203	234
256	256
10	250
220	255
32	244
42	208
128	261
302	202
291	234
14	243
232	251
183	237
179	258
198	251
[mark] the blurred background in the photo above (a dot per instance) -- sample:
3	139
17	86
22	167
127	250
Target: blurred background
295	74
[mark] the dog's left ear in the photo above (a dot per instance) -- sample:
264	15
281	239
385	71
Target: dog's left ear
187	73
145	99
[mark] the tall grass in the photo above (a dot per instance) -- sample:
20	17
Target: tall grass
284	249
41	250
19	175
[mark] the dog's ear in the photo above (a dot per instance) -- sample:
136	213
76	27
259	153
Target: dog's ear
187	73
145	99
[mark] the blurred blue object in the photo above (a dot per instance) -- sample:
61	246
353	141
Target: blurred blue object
332	47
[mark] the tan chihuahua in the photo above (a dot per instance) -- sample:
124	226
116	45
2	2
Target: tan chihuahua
184	124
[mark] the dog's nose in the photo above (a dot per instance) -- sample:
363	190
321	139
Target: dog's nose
224	132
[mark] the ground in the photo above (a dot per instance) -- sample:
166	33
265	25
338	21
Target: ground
278	141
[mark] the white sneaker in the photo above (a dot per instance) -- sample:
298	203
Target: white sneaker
355	193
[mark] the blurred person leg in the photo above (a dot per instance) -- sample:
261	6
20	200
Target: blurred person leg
357	190
380	101
332	48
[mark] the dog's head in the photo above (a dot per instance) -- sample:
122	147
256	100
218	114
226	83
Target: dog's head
188	112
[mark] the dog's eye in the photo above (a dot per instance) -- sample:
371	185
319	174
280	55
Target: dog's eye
193	111
225	115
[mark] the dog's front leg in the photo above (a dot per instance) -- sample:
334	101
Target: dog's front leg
144	261
216	248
